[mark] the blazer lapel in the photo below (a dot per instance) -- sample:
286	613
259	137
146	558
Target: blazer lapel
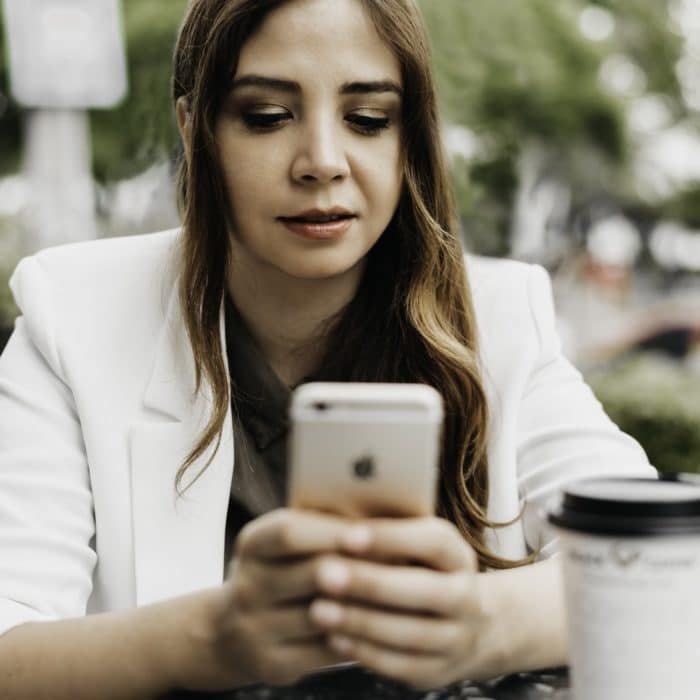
178	540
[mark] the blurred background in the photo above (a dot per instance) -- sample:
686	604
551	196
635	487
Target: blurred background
573	129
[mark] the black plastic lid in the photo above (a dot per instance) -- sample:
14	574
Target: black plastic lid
626	506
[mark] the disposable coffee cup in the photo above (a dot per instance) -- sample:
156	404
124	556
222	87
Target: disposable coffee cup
630	552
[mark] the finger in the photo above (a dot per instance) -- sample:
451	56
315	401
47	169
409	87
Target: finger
289	533
409	633
433	542
288	624
275	625
399	587
418	670
262	583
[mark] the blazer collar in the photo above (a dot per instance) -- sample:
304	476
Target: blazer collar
171	387
178	540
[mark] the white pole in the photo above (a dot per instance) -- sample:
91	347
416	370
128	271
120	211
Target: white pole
57	163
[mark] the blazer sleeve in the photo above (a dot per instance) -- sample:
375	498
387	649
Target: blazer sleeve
563	432
46	515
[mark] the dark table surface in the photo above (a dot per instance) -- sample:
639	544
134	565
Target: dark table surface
357	684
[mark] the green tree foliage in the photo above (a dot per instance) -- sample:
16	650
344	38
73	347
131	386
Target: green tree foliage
518	72
126	140
644	34
656	401
685	206
514	69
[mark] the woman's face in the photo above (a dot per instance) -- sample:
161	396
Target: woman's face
311	130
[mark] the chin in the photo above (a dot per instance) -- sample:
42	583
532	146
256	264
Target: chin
317	271
320	267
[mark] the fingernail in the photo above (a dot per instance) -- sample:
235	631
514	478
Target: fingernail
326	612
334	575
357	538
340	644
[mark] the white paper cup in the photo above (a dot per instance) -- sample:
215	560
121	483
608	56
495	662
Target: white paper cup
631	563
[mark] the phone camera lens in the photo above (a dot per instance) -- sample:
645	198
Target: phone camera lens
321	406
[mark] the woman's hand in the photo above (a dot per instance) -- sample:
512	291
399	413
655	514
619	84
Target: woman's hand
427	623
258	628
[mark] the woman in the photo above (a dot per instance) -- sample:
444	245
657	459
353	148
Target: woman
318	241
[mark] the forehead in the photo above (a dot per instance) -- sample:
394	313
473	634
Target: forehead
319	40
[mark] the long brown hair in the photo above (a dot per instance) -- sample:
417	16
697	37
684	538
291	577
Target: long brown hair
412	318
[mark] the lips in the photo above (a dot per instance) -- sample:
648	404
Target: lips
319	216
319	224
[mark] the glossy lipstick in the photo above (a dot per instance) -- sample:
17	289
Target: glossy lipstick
318	224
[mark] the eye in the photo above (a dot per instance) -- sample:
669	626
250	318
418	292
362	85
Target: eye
368	125
265	121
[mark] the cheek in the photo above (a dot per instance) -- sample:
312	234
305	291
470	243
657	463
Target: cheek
240	185
384	164
384	180
249	174
242	157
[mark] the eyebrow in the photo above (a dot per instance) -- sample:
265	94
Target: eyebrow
351	88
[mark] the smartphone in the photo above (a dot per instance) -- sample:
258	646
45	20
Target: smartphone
365	449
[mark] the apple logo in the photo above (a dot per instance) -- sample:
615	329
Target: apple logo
363	468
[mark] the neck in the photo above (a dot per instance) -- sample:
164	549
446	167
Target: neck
287	315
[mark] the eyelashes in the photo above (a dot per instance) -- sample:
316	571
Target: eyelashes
368	125
268	121
264	121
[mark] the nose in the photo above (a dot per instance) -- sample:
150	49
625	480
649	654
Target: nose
320	157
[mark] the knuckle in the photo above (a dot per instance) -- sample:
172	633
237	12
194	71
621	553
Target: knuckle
242	544
453	535
442	527
281	518
442	533
320	564
244	594
288	537
443	524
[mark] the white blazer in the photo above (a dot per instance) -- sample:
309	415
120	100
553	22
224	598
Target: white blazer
97	413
